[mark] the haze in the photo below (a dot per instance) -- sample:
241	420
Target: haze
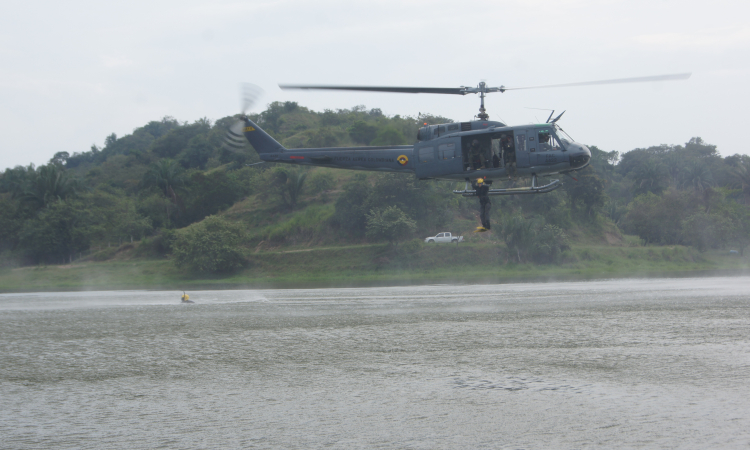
73	72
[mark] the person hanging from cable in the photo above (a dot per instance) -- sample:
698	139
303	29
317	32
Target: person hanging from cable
482	191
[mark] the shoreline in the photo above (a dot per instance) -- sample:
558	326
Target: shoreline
369	282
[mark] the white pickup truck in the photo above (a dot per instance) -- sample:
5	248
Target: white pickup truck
443	237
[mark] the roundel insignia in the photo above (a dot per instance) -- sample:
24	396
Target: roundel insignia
402	160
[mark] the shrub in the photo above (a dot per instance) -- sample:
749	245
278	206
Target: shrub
210	246
320	181
389	223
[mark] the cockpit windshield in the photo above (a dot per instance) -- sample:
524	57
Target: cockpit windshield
563	136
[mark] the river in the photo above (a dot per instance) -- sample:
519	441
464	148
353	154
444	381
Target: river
651	363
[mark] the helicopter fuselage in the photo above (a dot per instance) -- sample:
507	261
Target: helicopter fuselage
455	151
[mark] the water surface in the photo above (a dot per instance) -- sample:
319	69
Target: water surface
621	363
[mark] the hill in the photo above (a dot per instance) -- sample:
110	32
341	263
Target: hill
172	200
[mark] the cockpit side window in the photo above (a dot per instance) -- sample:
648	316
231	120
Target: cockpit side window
548	141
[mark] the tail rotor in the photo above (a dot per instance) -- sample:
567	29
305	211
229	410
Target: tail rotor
235	140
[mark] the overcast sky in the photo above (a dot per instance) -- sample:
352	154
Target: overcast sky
73	72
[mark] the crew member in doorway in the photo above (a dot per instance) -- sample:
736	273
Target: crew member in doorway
485	204
509	154
475	155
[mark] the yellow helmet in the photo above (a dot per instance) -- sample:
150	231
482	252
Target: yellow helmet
480	180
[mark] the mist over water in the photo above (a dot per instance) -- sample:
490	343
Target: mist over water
620	363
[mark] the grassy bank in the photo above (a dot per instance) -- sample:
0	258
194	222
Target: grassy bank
369	265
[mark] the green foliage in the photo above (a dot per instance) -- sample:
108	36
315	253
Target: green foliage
169	177
48	184
285	184
320	181
362	132
114	217
533	240
658	219
391	224
175	141
59	231
427	203
10	223
704	231
170	174
549	243
518	233
197	153
210	246
157	208
587	194
351	208
389	135
214	191
304	226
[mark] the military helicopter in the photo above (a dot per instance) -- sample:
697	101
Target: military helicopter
461	151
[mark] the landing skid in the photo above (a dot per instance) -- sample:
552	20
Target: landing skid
533	189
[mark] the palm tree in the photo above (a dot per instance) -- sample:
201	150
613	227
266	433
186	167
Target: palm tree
741	179
290	182
49	184
698	176
168	176
649	177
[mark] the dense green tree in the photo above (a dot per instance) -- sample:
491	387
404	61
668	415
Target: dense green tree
389	135
320	181
549	243
697	176
197	153
283	185
10	223
210	246
114	217
291	187
362	132
13	181
60	158
587	194
323	137
48	184
61	229
703	231
391	224
351	208
175	141
214	191
157	208
168	176
659	219
740	179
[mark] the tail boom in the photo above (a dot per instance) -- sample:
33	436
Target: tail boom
385	159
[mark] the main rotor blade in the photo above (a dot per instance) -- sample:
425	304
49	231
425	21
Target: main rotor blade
249	94
674	76
403	90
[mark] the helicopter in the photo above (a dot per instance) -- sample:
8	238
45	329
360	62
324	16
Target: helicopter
461	151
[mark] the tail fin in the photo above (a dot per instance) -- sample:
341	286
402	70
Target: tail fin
260	140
